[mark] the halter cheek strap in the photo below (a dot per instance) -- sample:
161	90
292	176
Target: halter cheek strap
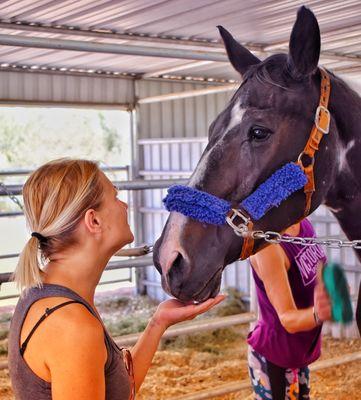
320	128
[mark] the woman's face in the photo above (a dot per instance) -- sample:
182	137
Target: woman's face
114	217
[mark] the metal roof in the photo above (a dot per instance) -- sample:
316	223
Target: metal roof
186	25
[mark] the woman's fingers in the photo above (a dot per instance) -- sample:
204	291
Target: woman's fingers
201	308
172	311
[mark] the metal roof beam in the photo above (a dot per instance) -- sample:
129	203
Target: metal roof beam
108	34
93	47
129	36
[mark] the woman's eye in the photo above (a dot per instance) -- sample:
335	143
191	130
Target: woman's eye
259	134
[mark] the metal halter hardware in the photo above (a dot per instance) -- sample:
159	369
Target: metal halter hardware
242	228
318	118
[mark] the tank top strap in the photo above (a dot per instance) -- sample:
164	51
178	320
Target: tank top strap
52	290
34	294
48	311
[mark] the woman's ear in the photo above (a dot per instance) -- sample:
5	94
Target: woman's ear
92	221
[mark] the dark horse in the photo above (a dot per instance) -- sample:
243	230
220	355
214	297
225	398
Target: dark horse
265	125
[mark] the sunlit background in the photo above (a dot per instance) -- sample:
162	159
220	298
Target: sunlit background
31	136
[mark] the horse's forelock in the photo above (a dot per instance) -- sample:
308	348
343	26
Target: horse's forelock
270	85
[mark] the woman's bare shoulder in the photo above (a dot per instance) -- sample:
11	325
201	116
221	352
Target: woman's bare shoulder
74	329
71	316
69	332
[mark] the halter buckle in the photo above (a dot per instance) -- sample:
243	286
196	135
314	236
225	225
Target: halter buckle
322	119
240	229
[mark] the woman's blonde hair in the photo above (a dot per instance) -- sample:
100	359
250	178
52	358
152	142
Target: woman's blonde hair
56	197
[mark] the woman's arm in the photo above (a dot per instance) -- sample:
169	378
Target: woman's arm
168	313
270	265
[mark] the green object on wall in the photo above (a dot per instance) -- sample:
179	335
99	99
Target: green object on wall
337	288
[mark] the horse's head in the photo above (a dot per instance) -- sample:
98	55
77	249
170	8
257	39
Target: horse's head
265	125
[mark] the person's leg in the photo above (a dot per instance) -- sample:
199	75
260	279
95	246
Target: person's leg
292	384
268	380
278	381
257	368
298	384
304	383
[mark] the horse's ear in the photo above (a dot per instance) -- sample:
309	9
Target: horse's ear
305	43
240	57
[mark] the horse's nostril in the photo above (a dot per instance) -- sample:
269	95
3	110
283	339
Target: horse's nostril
177	261
177	273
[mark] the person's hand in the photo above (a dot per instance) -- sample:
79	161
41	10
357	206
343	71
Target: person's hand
172	311
322	303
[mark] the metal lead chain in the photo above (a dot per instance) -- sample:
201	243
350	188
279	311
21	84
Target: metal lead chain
11	196
276	238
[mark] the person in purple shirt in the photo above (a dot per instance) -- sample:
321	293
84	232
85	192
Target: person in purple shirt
293	303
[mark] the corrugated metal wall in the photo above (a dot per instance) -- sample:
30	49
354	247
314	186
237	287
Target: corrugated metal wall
177	118
56	88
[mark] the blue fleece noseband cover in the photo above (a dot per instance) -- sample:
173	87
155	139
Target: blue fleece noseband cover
205	207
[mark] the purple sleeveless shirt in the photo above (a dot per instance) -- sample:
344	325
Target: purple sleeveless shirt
29	386
269	338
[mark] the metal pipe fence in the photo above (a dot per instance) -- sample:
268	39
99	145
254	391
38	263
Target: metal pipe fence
16	190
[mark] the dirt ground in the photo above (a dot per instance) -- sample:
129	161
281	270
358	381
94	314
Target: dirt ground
184	366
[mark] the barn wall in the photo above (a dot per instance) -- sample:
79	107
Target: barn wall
45	88
188	117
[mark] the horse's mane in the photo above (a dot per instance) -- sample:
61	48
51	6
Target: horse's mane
348	84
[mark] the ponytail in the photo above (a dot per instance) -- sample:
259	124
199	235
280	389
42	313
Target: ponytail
56	197
28	272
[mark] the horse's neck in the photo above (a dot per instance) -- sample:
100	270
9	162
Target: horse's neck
344	197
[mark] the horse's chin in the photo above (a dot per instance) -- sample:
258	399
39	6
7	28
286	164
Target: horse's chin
198	295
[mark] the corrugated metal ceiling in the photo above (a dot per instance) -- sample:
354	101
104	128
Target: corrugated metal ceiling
263	24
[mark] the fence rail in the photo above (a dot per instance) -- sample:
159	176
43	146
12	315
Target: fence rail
139	262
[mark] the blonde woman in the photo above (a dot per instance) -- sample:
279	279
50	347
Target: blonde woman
58	346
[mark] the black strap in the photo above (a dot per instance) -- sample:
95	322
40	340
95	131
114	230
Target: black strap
48	311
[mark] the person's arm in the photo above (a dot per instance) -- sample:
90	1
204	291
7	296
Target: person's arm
76	355
168	313
270	265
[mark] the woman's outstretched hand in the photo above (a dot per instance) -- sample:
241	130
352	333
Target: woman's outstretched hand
172	311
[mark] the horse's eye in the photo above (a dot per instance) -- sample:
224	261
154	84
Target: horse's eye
259	134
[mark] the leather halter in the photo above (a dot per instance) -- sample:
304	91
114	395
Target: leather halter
320	127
